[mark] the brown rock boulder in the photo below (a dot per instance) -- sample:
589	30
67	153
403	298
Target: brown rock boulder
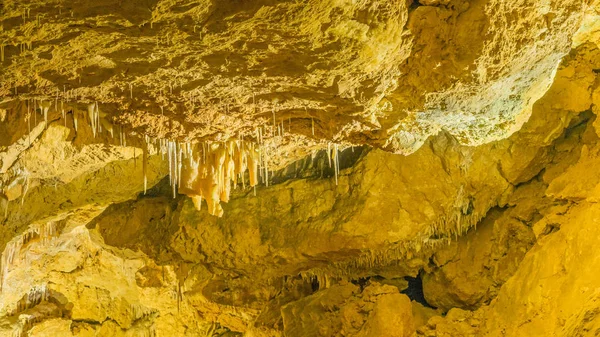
346	310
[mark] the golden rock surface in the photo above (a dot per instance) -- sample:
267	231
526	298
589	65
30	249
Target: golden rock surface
321	168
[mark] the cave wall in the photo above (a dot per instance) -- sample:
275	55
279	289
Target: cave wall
485	227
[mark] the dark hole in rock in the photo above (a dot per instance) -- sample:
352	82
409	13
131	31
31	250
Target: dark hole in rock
314	284
415	290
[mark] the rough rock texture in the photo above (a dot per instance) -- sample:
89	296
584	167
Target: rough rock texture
469	271
346	310
554	289
487	227
385	73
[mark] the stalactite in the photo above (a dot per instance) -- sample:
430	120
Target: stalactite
274	120
13	249
258	135
45	106
210	174
92	111
98	121
323	278
32	298
34	112
75	120
63	112
179	163
172	171
265	166
145	163
336	162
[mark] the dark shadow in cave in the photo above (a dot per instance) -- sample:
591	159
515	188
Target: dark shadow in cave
317	166
415	290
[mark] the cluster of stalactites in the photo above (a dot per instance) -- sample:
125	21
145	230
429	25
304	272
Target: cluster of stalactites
212	169
14	251
209	170
97	120
35	296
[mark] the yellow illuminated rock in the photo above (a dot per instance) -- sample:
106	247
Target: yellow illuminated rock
369	168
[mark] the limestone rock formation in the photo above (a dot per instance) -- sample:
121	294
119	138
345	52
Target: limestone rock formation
345	309
469	271
321	168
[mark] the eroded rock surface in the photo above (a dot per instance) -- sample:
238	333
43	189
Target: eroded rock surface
385	73
485	227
